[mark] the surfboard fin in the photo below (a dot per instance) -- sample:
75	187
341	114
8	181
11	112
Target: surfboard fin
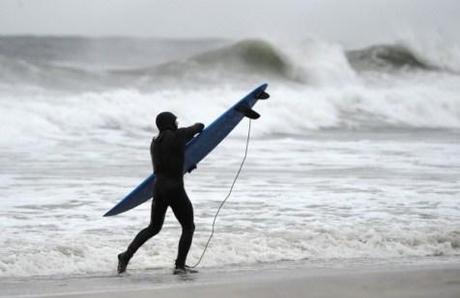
263	95
247	112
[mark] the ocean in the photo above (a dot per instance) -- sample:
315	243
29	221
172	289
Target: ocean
354	159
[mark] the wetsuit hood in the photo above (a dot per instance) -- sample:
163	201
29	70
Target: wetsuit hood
166	120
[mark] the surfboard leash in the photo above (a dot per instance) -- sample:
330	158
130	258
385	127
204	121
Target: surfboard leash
228	195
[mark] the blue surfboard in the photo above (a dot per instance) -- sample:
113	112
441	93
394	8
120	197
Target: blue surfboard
199	147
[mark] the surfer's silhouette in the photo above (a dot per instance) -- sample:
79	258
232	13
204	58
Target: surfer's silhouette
168	152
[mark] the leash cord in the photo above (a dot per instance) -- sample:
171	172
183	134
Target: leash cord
226	198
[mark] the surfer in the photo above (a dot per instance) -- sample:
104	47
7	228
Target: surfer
168	152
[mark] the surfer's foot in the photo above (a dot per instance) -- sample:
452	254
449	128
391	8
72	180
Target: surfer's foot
122	262
184	270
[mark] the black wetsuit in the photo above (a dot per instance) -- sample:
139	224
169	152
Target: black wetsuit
168	152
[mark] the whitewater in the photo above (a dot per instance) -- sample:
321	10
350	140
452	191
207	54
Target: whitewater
355	157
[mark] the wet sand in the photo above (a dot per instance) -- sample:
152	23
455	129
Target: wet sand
442	280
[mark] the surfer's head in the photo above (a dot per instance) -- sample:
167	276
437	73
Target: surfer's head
166	120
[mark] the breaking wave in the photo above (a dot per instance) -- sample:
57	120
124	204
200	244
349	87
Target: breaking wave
128	112
220	62
249	56
388	57
314	85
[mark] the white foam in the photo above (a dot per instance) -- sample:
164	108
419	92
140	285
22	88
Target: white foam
296	198
319	63
423	101
82	253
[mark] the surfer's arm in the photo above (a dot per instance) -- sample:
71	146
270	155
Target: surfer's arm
189	132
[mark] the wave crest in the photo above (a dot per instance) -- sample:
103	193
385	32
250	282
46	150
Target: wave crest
253	55
244	58
387	57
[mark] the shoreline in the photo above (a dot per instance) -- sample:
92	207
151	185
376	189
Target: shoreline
358	280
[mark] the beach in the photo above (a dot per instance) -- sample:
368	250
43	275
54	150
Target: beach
385	280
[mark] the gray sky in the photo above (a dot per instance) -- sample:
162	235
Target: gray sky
347	21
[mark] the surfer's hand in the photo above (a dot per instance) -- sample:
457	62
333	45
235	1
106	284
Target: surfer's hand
200	127
191	169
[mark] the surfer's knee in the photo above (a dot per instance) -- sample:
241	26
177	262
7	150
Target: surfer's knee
189	229
153	230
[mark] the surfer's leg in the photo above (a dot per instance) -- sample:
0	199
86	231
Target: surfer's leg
158	212
183	210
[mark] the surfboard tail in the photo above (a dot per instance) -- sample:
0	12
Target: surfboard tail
263	95
247	112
